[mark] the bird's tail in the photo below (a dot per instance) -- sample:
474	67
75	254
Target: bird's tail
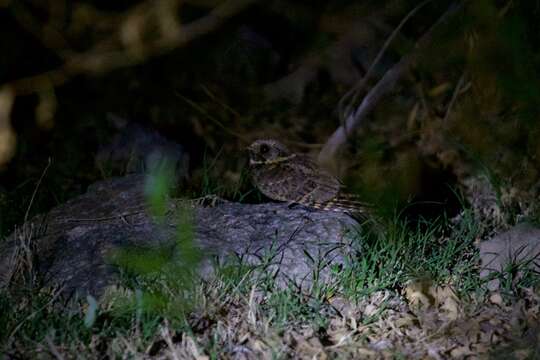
345	203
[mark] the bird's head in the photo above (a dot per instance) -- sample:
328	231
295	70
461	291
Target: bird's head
267	151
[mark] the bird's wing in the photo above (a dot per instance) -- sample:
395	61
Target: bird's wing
311	183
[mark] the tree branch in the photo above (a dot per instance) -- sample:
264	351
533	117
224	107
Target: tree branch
95	62
384	86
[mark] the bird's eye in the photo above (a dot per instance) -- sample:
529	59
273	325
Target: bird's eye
264	148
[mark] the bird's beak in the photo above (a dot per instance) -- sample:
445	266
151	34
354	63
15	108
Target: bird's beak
251	155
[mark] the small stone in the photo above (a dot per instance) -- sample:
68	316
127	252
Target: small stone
496	299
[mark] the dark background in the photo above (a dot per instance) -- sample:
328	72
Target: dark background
408	153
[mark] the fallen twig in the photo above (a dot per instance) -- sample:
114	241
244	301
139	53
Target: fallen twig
36	189
457	91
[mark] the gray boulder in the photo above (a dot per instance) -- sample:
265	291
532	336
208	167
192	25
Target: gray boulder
74	242
519	245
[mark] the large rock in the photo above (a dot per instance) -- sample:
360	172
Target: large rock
519	245
136	149
74	241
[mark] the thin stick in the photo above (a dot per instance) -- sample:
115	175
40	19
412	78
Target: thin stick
115	217
385	84
53	349
52	300
454	97
219	102
358	87
36	189
197	107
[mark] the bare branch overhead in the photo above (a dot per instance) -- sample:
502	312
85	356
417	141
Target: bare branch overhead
336	141
109	55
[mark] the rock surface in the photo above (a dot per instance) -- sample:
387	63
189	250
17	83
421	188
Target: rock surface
521	244
136	149
73	242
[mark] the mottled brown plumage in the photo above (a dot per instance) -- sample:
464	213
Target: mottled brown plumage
295	178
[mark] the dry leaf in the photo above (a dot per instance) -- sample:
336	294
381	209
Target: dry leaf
461	352
496	299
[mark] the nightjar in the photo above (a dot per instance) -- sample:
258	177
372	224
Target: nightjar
297	179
